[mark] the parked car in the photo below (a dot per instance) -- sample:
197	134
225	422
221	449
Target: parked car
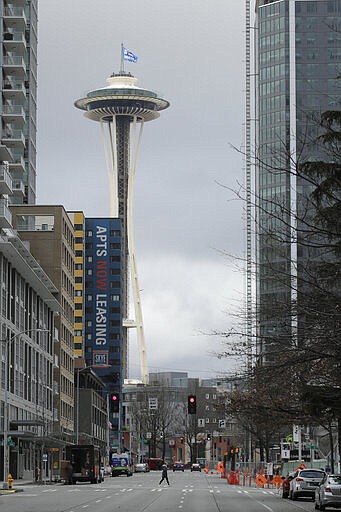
286	485
141	468
328	494
178	466
195	467
305	483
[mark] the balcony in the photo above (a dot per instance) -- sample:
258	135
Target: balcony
13	113
5	179
18	164
5	153
14	90
18	188
14	17
5	214
14	42
14	65
13	139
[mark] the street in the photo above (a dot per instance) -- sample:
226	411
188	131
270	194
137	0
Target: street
188	492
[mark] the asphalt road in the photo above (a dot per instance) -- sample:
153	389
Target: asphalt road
188	492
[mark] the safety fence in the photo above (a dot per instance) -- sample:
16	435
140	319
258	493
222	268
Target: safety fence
247	478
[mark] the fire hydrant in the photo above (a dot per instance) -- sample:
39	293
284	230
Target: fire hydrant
9	480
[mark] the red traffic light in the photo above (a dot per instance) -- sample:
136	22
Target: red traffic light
192	404
115	402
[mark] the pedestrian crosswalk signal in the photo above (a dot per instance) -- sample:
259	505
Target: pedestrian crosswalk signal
192	404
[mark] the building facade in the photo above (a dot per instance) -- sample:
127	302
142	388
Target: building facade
103	307
50	234
18	36
78	221
297	64
28	308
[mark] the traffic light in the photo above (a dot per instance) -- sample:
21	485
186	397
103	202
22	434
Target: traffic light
208	437
192	404
114	402
182	439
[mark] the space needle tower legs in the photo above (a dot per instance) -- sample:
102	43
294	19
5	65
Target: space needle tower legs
122	108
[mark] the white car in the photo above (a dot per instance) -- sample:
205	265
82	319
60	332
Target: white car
305	483
142	468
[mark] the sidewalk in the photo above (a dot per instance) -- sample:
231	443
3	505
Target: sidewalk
18	485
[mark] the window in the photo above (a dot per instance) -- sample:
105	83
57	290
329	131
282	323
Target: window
78	306
207	396
78	254
114	298
78	279
89	271
78	293
115	232
89	232
78	266
89	298
89	259
78	240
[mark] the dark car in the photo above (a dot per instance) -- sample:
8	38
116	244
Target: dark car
178	466
286	485
305	482
328	494
195	467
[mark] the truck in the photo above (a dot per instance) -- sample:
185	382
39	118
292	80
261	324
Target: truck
83	464
120	464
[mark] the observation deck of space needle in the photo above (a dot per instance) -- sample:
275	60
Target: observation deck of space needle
121	108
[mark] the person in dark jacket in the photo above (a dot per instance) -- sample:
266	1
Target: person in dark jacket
164	474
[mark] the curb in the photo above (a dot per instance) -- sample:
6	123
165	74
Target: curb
3	492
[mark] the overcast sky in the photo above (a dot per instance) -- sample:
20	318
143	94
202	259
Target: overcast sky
192	53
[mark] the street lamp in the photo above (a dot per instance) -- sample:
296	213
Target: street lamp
6	452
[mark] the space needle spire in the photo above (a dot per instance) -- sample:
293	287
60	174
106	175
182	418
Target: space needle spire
121	108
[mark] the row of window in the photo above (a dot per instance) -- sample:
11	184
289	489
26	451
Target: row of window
272	40
276	71
113	271
277	117
273	56
112	233
272	88
274	24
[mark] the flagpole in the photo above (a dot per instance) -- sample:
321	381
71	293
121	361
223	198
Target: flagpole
122	60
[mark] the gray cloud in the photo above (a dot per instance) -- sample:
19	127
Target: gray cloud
193	52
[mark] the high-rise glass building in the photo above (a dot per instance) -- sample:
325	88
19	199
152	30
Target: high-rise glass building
18	36
297	64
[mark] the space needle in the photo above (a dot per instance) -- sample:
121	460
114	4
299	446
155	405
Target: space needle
121	108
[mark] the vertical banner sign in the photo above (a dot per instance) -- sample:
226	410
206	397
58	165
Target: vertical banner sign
101	286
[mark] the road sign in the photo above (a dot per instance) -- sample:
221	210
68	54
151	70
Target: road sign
201	422
222	423
148	435
153	404
44	457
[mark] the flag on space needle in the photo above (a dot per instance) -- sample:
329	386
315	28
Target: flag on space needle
128	55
